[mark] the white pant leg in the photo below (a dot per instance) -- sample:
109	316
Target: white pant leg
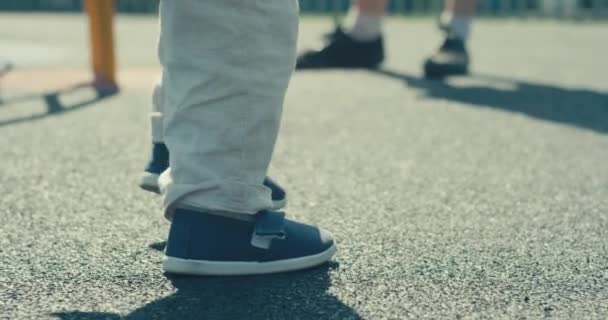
156	115
226	67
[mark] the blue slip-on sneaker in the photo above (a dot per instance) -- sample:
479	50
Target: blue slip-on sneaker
159	162
207	244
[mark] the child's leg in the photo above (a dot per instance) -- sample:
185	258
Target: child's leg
156	115
227	64
159	158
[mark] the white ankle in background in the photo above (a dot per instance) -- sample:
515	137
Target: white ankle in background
362	27
457	26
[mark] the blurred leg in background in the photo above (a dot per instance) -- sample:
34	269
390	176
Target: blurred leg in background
364	20
452	57
359	42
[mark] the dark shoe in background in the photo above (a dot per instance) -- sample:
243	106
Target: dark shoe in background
342	51
451	59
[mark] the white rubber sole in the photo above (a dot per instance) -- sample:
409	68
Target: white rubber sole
149	182
217	268
279	204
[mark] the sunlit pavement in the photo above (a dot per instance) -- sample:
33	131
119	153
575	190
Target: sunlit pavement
479	197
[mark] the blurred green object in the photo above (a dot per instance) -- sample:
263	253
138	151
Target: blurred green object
539	8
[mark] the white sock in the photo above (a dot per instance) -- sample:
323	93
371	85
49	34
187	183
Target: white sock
458	26
362	27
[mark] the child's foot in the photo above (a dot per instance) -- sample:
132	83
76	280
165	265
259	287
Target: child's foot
207	244
159	162
451	59
342	51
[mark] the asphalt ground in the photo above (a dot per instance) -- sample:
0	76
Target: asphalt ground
483	197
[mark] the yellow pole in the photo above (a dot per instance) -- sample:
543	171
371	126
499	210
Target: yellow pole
101	14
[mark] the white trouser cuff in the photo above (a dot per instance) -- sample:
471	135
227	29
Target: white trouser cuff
156	126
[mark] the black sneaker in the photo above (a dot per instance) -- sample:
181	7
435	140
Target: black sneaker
342	51
451	59
205	244
159	162
330	36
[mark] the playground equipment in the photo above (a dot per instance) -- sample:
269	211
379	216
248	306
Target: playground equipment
103	59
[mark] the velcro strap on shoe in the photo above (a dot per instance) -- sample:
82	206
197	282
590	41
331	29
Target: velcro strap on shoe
269	225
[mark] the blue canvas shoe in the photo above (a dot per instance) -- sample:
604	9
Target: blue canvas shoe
159	162
207	244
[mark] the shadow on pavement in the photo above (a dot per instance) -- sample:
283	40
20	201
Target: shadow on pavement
78	96
296	295
158	246
575	107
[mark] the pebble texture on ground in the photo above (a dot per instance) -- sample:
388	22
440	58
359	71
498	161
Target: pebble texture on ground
477	198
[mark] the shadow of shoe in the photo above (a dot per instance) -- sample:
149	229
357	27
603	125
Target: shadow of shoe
296	295
158	246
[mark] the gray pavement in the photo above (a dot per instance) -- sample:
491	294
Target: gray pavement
478	198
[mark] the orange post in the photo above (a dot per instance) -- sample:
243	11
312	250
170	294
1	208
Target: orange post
101	14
